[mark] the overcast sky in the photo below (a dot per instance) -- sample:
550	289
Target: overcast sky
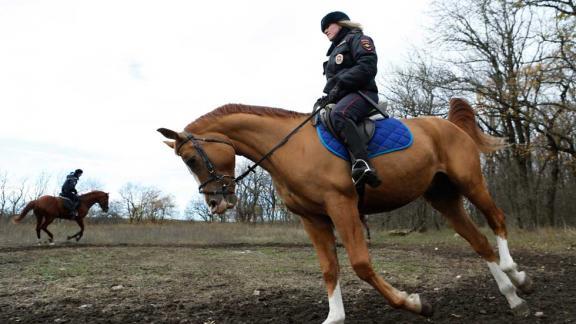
85	84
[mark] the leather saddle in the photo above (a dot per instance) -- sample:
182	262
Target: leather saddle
69	204
366	125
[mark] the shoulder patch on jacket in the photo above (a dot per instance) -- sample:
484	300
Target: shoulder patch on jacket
366	44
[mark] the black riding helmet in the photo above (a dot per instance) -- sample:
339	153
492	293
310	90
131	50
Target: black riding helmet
78	172
333	17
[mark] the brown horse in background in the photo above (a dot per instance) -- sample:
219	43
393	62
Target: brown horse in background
442	165
47	208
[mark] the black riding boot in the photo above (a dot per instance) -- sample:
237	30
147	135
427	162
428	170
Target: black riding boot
362	172
74	211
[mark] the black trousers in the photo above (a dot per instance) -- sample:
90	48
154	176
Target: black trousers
353	107
72	196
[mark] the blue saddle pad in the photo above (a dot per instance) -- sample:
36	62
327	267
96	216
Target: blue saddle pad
390	135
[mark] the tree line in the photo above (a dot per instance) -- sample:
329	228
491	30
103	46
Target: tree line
134	203
257	202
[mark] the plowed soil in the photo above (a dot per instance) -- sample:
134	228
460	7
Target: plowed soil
266	283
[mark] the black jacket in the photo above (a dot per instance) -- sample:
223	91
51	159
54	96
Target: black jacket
69	185
352	63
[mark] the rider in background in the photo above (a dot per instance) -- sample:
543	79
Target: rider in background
351	67
69	190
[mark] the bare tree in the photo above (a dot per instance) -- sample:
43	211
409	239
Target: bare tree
3	194
89	184
258	200
198	208
164	207
40	186
417	89
17	197
141	203
564	7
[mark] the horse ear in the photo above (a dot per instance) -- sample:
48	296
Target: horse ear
170	143
168	133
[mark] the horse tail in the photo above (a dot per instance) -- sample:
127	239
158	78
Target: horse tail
25	211
462	114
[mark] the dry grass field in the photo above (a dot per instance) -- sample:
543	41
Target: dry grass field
233	273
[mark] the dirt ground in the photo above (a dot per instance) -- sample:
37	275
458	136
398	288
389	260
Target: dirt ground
264	283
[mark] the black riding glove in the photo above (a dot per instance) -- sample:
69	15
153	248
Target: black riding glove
334	95
321	102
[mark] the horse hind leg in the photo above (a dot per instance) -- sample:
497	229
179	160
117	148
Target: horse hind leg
44	227
446	199
496	220
38	228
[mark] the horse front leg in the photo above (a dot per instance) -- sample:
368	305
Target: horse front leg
78	236
345	216
321	233
50	236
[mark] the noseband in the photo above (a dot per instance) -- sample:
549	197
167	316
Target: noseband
212	173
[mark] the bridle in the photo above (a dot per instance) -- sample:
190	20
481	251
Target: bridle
213	175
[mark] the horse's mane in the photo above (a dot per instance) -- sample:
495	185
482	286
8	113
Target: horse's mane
91	193
246	109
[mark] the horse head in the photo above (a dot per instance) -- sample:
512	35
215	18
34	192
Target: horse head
103	201
94	197
211	159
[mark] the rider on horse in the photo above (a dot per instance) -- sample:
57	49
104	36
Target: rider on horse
69	191
351	68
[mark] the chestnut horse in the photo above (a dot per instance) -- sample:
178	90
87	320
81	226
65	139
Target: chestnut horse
47	208
443	165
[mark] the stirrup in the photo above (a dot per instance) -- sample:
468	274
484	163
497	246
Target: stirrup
364	174
364	164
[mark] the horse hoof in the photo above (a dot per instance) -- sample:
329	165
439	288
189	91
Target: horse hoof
521	310
527	287
51	243
427	309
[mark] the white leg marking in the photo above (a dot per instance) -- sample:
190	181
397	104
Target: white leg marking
507	264
413	303
505	285
336	314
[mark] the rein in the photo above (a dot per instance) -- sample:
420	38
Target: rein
214	175
282	142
